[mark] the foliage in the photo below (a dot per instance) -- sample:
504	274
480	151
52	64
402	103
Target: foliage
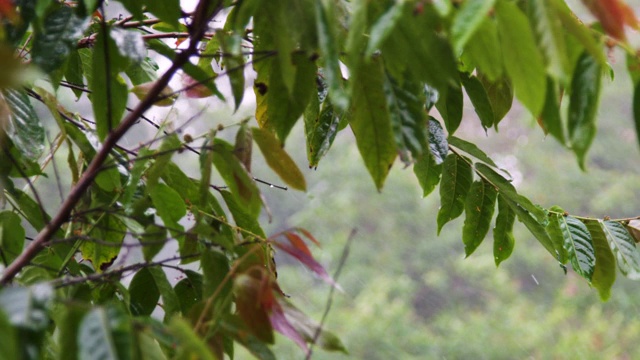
379	68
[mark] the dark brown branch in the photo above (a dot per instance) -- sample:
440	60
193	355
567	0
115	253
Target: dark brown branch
197	30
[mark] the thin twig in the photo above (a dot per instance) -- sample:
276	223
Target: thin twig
343	260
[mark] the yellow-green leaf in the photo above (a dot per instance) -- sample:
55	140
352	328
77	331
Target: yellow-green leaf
278	159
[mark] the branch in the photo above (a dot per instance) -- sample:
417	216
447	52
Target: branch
198	29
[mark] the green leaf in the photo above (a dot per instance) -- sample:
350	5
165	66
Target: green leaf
166	10
551	118
189	291
74	71
236	177
500	96
108	91
479	99
454	186
234	68
450	108
624	248
105	240
152	241
604	274
23	126
503	241
278	159
636	110
408	118
357	38
144	72
416	47
278	109
506	189
428	173
11	236
467	20
479	208
578	30
215	267
108	179
383	27
548	29
321	125
58	36
71	318
556	235
533	217
577	242
483	51
523	61
532	224
472	150
190	343
30	209
168	203
328	43
583	105
104	335
371	123
8	340
242	218
144	293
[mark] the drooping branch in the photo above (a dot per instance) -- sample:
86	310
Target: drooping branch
204	12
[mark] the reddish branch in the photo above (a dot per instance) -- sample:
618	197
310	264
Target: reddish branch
205	11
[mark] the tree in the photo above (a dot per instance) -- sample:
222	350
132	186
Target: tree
379	68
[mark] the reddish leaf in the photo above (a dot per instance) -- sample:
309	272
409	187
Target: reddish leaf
308	261
297	242
254	300
8	11
613	15
282	325
306	233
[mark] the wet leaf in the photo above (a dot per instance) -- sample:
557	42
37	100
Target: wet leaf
23	126
479	207
583	105
551	119
551	39
579	246
500	96
408	118
328	43
604	274
438	145
454	187
58	36
503	241
623	247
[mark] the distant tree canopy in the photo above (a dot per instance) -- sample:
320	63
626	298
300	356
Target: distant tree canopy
379	68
